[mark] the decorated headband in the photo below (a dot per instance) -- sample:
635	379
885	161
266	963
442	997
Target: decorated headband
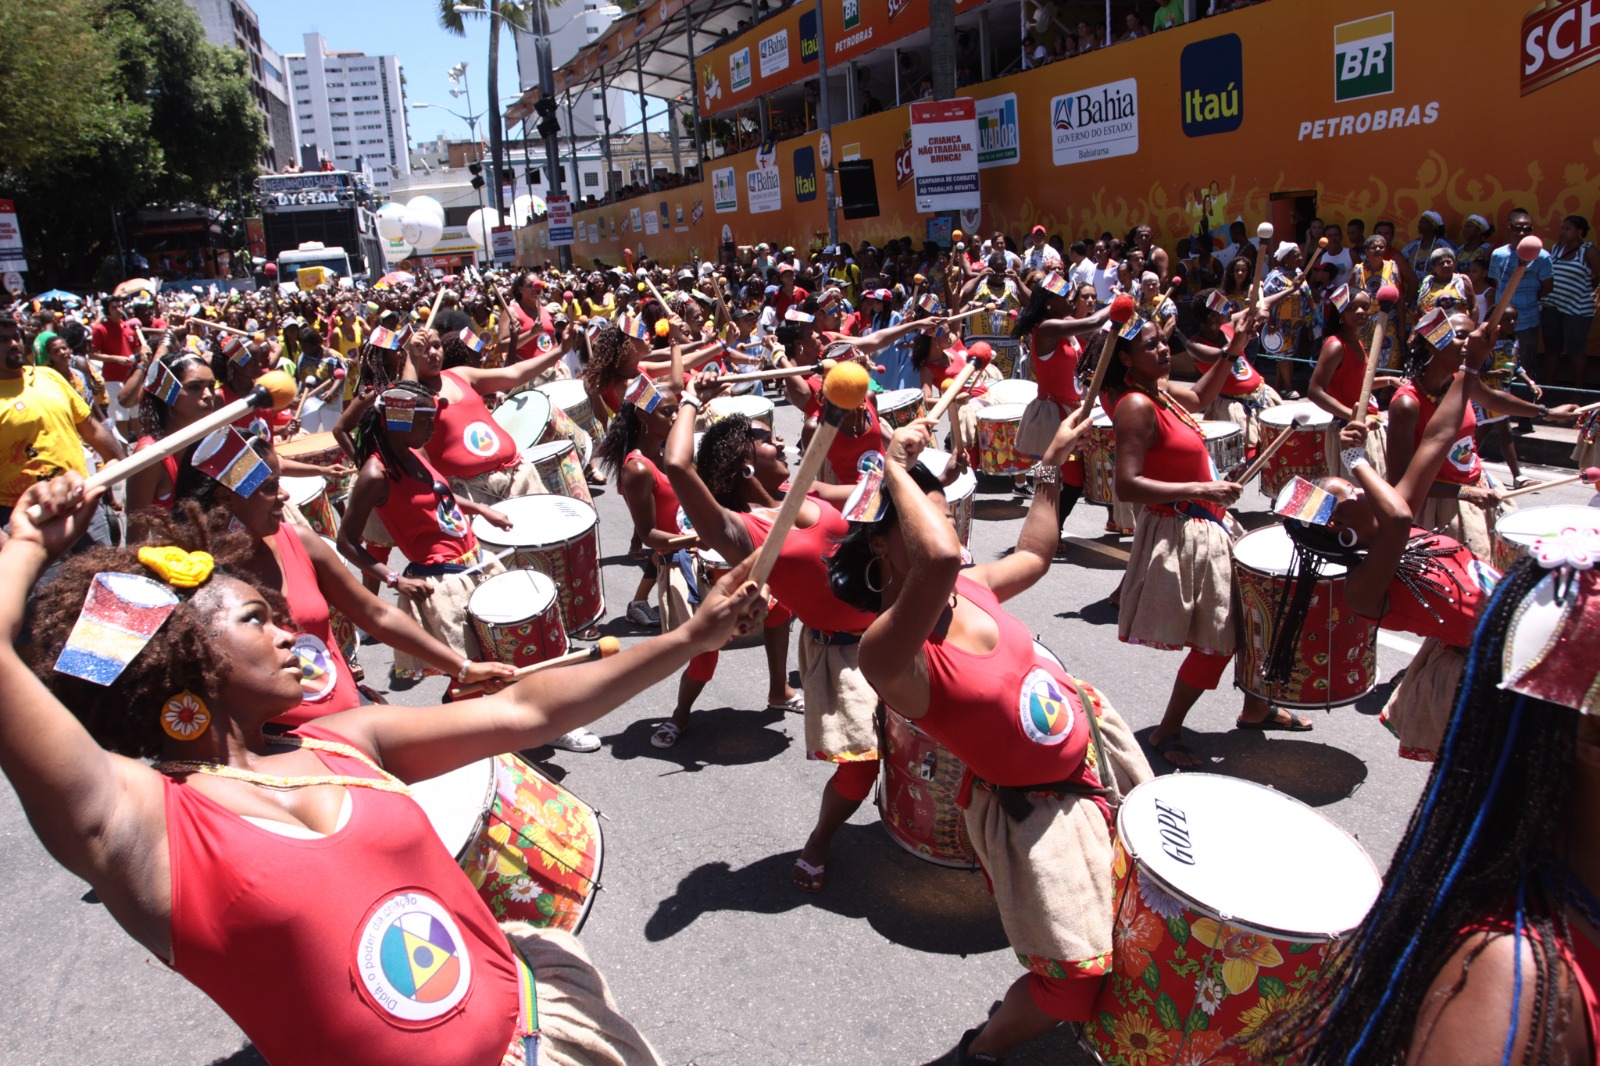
1340	298
1302	501
1435	325
400	408
1131	328
794	314
226	456
867	502
473	342
1547	654
164	384
635	326
929	302
1055	284
388	339
643	394
120	615
1216	303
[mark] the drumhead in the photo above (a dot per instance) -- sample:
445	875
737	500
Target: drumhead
965	484
1283	414
755	408
511	597
1002	412
455	802
713	558
302	490
566	394
1101	422
1270	551
540	452
1218	430
1013	390
895	399
310	444
538	520
1526	525
1241	850
525	416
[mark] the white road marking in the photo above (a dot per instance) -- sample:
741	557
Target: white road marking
1398	643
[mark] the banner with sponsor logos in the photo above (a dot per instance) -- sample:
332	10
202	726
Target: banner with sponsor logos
1377	124
771	54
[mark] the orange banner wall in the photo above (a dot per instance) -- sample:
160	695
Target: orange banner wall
1381	111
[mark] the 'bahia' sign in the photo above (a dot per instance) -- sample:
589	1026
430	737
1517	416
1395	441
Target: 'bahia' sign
1095	123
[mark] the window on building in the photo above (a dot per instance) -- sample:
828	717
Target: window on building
591	180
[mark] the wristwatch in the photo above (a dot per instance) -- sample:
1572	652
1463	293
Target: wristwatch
392	579
461	674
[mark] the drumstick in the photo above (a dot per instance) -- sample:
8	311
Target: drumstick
980	309
1300	419
683	540
844	389
1528	250
656	292
953	388
1588	475
607	647
1587	409
273	390
1263	235
1121	313
489	557
716	287
768	375
437	300
220	327
1388	296
1322	246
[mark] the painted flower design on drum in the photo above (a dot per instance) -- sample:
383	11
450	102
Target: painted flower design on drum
522	890
1243	954
1159	899
1140	1041
1208	994
1203	1048
1133	939
1259	1020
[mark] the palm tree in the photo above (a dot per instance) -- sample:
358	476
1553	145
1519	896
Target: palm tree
514	14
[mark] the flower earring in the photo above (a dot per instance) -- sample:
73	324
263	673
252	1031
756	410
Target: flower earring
185	716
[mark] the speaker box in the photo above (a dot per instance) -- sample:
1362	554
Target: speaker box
858	189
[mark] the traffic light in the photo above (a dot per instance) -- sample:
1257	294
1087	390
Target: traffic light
546	110
476	170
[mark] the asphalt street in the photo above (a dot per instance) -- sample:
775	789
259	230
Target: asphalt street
706	945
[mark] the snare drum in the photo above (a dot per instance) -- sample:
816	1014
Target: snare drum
901	407
557	464
755	408
918	799
572	399
1514	532
318	449
1225	442
517	618
1304	454
1100	462
1336	661
997	440
526	416
1013	390
1202	955
958	494
558	536
309	495
531	848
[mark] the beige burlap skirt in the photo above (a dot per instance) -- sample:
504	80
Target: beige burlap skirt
443	615
496	485
579	1024
1419	709
1466	522
1377	448
1177	591
1247	416
1040	420
841	708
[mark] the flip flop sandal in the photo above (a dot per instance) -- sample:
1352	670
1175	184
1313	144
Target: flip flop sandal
795	704
1175	743
1270	724
667	734
808	878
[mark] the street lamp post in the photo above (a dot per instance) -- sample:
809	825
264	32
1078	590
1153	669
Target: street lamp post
472	124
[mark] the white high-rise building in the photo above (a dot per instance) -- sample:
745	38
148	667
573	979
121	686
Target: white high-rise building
350	109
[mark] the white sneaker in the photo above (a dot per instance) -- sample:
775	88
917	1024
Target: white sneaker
579	739
641	613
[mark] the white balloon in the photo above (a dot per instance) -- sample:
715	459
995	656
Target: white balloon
521	210
480	222
420	229
426	205
391	217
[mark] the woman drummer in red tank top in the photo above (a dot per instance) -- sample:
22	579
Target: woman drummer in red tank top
945	653
290	878
1246	393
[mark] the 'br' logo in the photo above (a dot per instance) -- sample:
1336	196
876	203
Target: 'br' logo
1211	81
1363	58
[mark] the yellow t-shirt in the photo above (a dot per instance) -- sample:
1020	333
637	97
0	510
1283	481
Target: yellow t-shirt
348	349
39	416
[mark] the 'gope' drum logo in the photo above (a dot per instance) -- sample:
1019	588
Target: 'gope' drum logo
412	959
1211	85
1173	826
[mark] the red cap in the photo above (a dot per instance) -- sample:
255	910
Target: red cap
1036	229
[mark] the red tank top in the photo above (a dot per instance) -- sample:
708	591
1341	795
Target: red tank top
427	529
800	579
170	465
1178	453
846	451
368	945
1056	370
666	501
1461	463
1012	715
466	440
529	331
1580	954
1243	377
1345	384
324	675
1456	586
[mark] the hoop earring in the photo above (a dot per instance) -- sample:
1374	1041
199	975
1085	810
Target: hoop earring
749	471
867	575
1342	542
185	716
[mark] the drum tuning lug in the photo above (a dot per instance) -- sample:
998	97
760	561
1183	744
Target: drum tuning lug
930	765
602	816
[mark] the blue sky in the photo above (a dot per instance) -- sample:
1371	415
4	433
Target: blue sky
408	29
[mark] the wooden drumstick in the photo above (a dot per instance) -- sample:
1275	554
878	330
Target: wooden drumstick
716	287
1263	236
683	540
1316	256
434	313
1388	297
845	389
656	293
273	390
1300	419
1588	475
1528	250
768	375
953	388
220	328
980	309
607	647
1587	408
1121	313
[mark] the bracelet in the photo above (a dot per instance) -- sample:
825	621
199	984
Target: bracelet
688	399
1354	457
392	579
461	674
1047	474
1544	412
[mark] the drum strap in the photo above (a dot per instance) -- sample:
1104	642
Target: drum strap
1102	760
527	1006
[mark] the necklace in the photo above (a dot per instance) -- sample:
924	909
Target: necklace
1163	399
387	783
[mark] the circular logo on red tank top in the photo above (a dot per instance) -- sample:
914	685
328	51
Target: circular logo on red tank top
319	670
479	439
411	958
1043	708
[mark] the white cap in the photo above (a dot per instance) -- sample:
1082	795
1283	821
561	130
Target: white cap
1284	249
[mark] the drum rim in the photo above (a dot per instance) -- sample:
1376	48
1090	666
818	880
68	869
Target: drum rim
332	443
992	413
555	447
286	480
554	601
1326	577
1320	419
891	400
1574	508
489	534
1294	935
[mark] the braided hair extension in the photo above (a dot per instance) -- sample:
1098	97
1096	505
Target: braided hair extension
1484	844
1419	353
1037	311
372	434
1315	546
853	554
621	438
372	368
153	411
608	353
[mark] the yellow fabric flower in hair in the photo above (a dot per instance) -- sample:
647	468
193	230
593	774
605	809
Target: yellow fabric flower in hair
178	568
